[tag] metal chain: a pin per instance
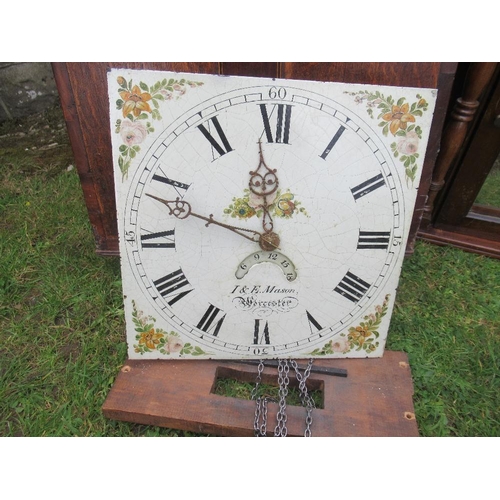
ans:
(260, 419)
(305, 397)
(260, 407)
(280, 430)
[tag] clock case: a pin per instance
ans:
(147, 392)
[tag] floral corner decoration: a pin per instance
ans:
(399, 119)
(282, 205)
(151, 339)
(140, 105)
(359, 338)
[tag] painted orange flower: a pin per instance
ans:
(135, 101)
(399, 118)
(151, 338)
(358, 335)
(285, 206)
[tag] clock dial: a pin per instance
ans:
(313, 187)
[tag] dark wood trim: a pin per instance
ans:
(468, 239)
(456, 130)
(265, 69)
(445, 86)
(106, 240)
(482, 151)
(470, 146)
(485, 213)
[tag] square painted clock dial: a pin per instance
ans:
(262, 218)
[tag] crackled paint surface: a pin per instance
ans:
(347, 162)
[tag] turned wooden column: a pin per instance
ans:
(478, 76)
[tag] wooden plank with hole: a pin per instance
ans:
(375, 399)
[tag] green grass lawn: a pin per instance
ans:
(62, 326)
(490, 191)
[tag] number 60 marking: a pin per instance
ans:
(275, 92)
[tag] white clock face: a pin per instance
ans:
(340, 212)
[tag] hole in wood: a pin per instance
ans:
(232, 383)
(409, 415)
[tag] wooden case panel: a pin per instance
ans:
(84, 98)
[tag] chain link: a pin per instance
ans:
(305, 397)
(261, 410)
(280, 430)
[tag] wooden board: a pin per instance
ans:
(375, 399)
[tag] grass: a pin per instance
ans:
(490, 191)
(62, 338)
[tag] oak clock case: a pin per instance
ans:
(262, 218)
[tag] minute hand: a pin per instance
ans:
(182, 210)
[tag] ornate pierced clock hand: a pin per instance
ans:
(263, 184)
(182, 210)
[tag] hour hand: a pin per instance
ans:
(178, 208)
(182, 209)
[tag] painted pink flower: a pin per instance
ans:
(256, 201)
(408, 144)
(173, 344)
(340, 345)
(166, 94)
(132, 132)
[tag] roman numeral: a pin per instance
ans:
(261, 332)
(283, 117)
(368, 186)
(175, 184)
(223, 148)
(332, 143)
(374, 240)
(352, 287)
(207, 321)
(313, 322)
(166, 239)
(171, 286)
